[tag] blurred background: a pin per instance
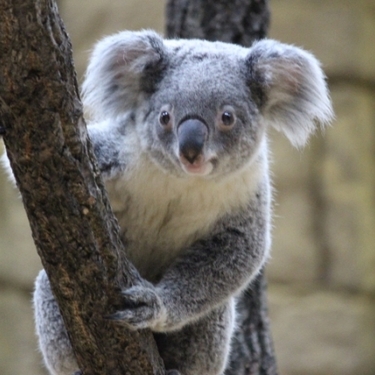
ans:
(322, 272)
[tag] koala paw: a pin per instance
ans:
(143, 308)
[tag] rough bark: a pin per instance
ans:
(241, 22)
(252, 349)
(75, 232)
(234, 21)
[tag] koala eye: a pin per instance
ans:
(227, 120)
(164, 118)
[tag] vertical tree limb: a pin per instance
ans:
(236, 21)
(74, 229)
(241, 22)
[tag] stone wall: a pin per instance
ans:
(322, 290)
(321, 275)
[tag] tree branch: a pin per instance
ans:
(241, 22)
(74, 229)
(236, 21)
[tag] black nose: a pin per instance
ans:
(192, 135)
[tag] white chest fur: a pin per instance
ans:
(160, 214)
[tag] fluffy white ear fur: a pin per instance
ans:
(293, 86)
(113, 78)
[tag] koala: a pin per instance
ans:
(179, 130)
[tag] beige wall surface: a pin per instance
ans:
(322, 271)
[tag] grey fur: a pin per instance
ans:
(197, 232)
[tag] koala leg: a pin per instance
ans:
(53, 339)
(201, 347)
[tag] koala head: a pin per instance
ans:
(202, 108)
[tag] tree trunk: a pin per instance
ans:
(232, 21)
(240, 22)
(73, 227)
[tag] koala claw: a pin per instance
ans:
(172, 372)
(143, 308)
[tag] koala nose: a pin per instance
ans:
(192, 135)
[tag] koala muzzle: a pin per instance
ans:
(192, 135)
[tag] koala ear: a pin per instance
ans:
(121, 68)
(289, 86)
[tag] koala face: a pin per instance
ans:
(202, 108)
(201, 114)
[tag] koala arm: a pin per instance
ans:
(216, 268)
(207, 274)
(107, 138)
